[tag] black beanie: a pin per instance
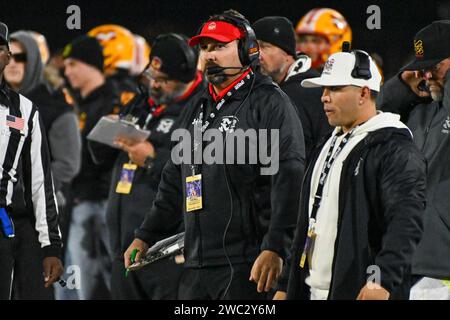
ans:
(277, 31)
(86, 49)
(172, 55)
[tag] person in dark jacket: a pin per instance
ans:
(25, 74)
(226, 253)
(278, 59)
(30, 240)
(420, 93)
(88, 243)
(363, 196)
(173, 82)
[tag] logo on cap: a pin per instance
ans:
(156, 63)
(418, 48)
(67, 51)
(212, 26)
(328, 66)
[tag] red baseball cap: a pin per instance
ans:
(218, 30)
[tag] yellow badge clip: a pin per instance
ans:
(194, 200)
(126, 178)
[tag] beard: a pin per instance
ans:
(217, 78)
(274, 73)
(437, 94)
(160, 97)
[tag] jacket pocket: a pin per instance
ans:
(441, 203)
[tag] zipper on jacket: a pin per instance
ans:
(345, 165)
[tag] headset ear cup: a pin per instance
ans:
(361, 69)
(242, 52)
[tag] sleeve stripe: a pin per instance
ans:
(42, 190)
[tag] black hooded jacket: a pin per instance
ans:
(227, 226)
(381, 207)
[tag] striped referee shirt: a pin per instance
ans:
(24, 151)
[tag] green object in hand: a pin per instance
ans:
(133, 255)
(132, 258)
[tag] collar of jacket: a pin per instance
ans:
(192, 88)
(216, 97)
(4, 93)
(301, 65)
(373, 138)
(106, 89)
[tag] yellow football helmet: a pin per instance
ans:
(118, 46)
(329, 24)
(141, 55)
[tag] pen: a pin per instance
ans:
(132, 258)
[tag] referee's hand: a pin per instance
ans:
(53, 269)
(141, 247)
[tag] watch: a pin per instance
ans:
(148, 162)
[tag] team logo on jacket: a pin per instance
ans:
(356, 172)
(228, 124)
(446, 126)
(165, 125)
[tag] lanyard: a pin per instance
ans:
(202, 126)
(219, 105)
(329, 160)
(155, 111)
(326, 170)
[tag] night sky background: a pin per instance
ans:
(400, 20)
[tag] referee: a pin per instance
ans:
(25, 187)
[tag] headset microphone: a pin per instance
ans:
(216, 74)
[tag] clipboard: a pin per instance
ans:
(165, 248)
(108, 129)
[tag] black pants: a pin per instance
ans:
(22, 257)
(212, 282)
(158, 281)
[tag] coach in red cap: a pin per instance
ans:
(229, 253)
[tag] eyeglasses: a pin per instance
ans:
(19, 57)
(150, 76)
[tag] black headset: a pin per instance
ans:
(190, 66)
(361, 70)
(248, 47)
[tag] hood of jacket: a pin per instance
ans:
(34, 68)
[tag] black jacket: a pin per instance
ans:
(92, 183)
(125, 212)
(309, 106)
(228, 209)
(381, 204)
(429, 121)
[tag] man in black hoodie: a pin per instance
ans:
(88, 243)
(228, 254)
(363, 196)
(172, 82)
(279, 61)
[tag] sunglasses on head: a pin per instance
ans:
(19, 57)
